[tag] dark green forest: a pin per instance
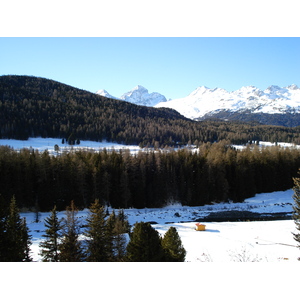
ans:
(37, 107)
(217, 172)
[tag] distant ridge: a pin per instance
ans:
(272, 106)
(138, 95)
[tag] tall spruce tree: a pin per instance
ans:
(110, 227)
(119, 241)
(98, 241)
(3, 236)
(26, 240)
(17, 235)
(296, 207)
(71, 247)
(172, 245)
(117, 227)
(145, 244)
(50, 245)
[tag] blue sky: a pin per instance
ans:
(172, 66)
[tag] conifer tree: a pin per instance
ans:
(296, 207)
(122, 218)
(50, 246)
(117, 226)
(119, 241)
(70, 246)
(110, 227)
(171, 243)
(17, 235)
(145, 244)
(26, 241)
(3, 237)
(97, 234)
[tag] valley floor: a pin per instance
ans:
(248, 241)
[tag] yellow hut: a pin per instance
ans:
(200, 227)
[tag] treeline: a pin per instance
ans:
(38, 107)
(213, 173)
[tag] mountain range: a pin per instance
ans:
(138, 95)
(274, 105)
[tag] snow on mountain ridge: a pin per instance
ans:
(204, 101)
(105, 94)
(138, 95)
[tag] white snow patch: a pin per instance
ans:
(257, 241)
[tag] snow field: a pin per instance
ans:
(42, 144)
(260, 241)
(257, 241)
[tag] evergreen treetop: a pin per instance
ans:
(97, 234)
(145, 244)
(71, 249)
(16, 236)
(174, 250)
(50, 245)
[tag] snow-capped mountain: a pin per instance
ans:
(204, 102)
(274, 105)
(138, 95)
(105, 94)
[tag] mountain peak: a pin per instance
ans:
(273, 88)
(293, 87)
(139, 95)
(140, 88)
(104, 93)
(204, 102)
(199, 90)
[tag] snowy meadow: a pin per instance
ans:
(248, 241)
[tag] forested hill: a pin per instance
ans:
(32, 107)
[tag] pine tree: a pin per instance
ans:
(26, 241)
(71, 247)
(122, 218)
(119, 241)
(110, 227)
(171, 243)
(3, 236)
(17, 235)
(296, 207)
(145, 244)
(50, 245)
(97, 234)
(117, 227)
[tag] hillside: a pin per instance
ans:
(37, 107)
(32, 107)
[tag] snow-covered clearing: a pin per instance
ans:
(42, 144)
(258, 241)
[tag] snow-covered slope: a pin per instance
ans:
(259, 241)
(206, 102)
(138, 95)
